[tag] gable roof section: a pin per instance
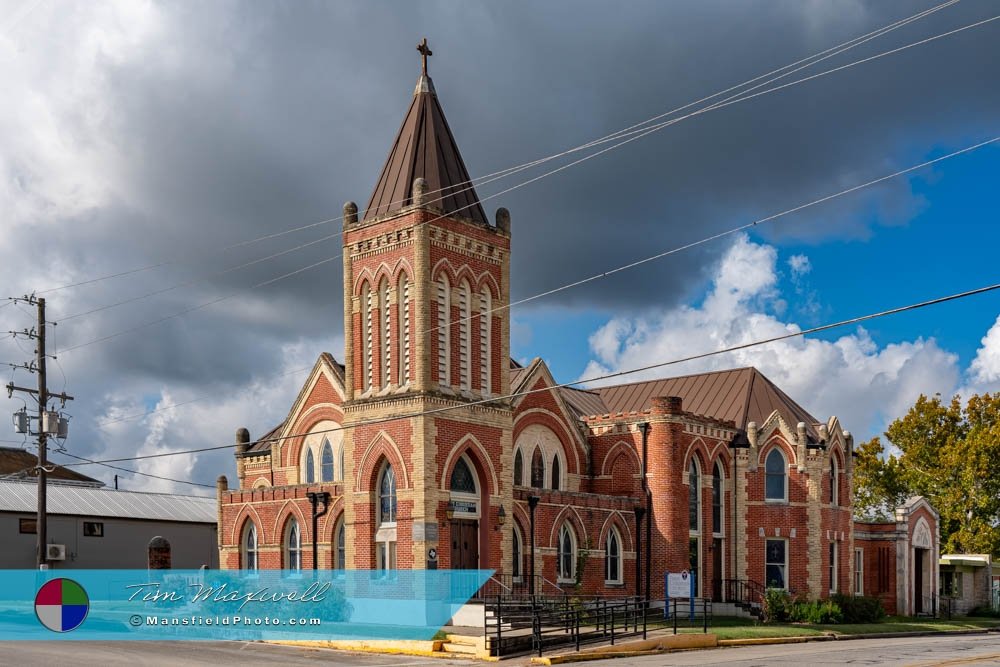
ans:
(425, 148)
(740, 395)
(17, 463)
(336, 370)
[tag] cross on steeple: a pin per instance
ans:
(424, 52)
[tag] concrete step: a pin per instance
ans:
(466, 649)
(466, 640)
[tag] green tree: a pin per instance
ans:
(948, 453)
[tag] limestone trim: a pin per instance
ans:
(246, 513)
(382, 443)
(470, 442)
(612, 456)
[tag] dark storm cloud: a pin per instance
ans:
(240, 120)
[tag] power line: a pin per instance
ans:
(632, 130)
(182, 403)
(714, 237)
(645, 133)
(128, 470)
(200, 279)
(598, 378)
(610, 137)
(198, 307)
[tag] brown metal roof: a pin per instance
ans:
(17, 463)
(425, 148)
(741, 395)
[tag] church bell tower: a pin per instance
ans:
(426, 289)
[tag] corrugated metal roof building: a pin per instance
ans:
(105, 528)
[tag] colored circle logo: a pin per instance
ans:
(61, 605)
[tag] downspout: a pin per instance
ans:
(644, 427)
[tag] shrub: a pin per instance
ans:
(859, 608)
(819, 612)
(777, 605)
(984, 611)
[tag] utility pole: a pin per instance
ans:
(49, 423)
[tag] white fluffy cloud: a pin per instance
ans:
(850, 377)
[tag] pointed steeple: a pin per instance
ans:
(425, 148)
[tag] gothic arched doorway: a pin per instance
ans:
(465, 510)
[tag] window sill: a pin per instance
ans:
(560, 580)
(614, 584)
(775, 501)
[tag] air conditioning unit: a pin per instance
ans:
(55, 552)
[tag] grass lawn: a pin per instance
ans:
(739, 628)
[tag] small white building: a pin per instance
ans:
(966, 581)
(98, 528)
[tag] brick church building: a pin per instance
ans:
(437, 450)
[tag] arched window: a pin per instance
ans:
(834, 481)
(310, 467)
(464, 338)
(340, 546)
(537, 469)
(340, 468)
(566, 560)
(250, 546)
(293, 545)
(444, 330)
(485, 344)
(518, 468)
(613, 558)
(517, 553)
(385, 335)
(387, 496)
(462, 479)
(385, 536)
(327, 465)
(694, 497)
(775, 476)
(403, 317)
(555, 472)
(367, 338)
(717, 494)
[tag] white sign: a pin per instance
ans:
(679, 585)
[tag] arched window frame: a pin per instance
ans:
(613, 557)
(385, 515)
(444, 330)
(340, 545)
(518, 467)
(774, 460)
(485, 342)
(385, 335)
(694, 496)
(566, 555)
(718, 499)
(293, 545)
(464, 336)
(556, 472)
(517, 554)
(341, 467)
(248, 547)
(403, 317)
(309, 475)
(326, 461)
(367, 338)
(387, 496)
(834, 481)
(537, 468)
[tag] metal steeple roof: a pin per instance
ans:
(425, 148)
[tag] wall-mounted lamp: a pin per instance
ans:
(501, 516)
(450, 512)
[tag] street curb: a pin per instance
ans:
(760, 641)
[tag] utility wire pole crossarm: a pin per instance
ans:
(49, 423)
